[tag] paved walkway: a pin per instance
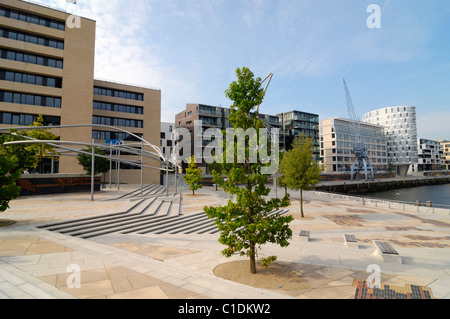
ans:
(37, 263)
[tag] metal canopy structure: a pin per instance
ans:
(65, 148)
(362, 162)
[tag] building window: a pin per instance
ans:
(118, 108)
(26, 119)
(30, 58)
(31, 18)
(30, 99)
(105, 135)
(31, 38)
(118, 94)
(30, 79)
(102, 120)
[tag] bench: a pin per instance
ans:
(304, 235)
(350, 241)
(386, 251)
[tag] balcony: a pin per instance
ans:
(211, 122)
(209, 111)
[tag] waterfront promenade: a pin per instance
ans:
(164, 264)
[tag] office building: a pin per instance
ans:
(336, 144)
(401, 134)
(47, 68)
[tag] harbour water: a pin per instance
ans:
(439, 195)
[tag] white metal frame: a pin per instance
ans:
(66, 151)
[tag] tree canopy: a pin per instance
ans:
(247, 222)
(193, 176)
(101, 164)
(299, 168)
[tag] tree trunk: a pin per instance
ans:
(252, 258)
(301, 203)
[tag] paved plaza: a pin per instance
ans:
(127, 245)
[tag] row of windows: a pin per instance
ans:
(104, 135)
(31, 38)
(349, 159)
(119, 94)
(30, 99)
(30, 79)
(27, 119)
(116, 121)
(118, 108)
(31, 18)
(30, 58)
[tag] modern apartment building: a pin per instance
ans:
(445, 147)
(289, 124)
(336, 144)
(430, 156)
(167, 138)
(401, 133)
(294, 123)
(47, 68)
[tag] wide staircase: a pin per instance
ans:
(150, 211)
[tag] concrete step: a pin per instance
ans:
(117, 226)
(147, 209)
(87, 220)
(13, 286)
(168, 224)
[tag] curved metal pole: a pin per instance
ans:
(87, 125)
(158, 153)
(135, 163)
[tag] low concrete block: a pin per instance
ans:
(304, 236)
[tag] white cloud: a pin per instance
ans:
(124, 55)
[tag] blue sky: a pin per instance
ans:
(190, 49)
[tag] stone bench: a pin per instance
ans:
(350, 241)
(386, 251)
(304, 235)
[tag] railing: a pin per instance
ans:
(417, 206)
(213, 112)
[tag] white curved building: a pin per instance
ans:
(401, 134)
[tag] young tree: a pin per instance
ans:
(246, 223)
(15, 158)
(41, 150)
(193, 176)
(10, 172)
(300, 170)
(214, 167)
(101, 165)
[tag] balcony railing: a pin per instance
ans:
(209, 112)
